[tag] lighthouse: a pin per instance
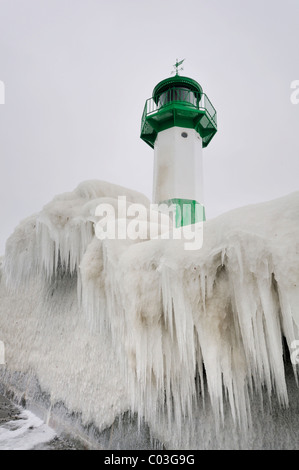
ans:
(178, 121)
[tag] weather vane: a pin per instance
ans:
(176, 66)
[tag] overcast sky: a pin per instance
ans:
(77, 74)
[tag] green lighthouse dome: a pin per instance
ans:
(177, 82)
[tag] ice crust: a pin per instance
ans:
(182, 329)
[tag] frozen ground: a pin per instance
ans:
(22, 430)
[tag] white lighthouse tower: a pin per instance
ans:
(178, 122)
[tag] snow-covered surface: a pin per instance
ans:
(25, 433)
(145, 325)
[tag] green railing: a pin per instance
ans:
(180, 96)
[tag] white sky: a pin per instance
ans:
(77, 74)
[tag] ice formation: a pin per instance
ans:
(25, 433)
(182, 329)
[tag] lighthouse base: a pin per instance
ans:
(186, 211)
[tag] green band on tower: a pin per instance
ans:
(187, 211)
